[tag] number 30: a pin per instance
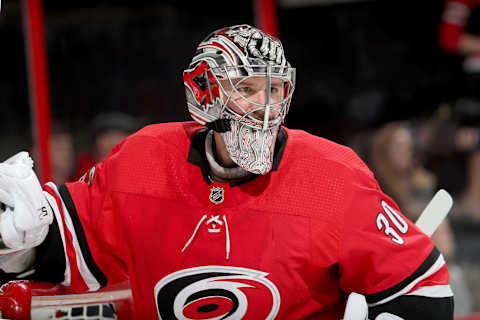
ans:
(393, 217)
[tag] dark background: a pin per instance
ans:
(358, 64)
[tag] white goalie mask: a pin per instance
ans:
(240, 84)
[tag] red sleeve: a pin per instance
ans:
(89, 231)
(452, 25)
(383, 255)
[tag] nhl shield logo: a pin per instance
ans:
(216, 195)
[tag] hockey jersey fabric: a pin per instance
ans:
(286, 245)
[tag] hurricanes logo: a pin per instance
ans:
(216, 292)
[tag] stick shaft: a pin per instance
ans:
(435, 212)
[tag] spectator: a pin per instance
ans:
(62, 153)
(396, 163)
(396, 166)
(107, 129)
(459, 34)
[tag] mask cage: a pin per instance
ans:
(244, 72)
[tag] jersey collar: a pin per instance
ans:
(198, 157)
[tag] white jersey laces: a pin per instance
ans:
(197, 227)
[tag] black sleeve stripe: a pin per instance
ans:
(82, 240)
(50, 261)
(415, 307)
(429, 261)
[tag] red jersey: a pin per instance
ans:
(286, 245)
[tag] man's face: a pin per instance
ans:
(400, 151)
(250, 91)
(106, 141)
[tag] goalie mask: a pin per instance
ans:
(240, 84)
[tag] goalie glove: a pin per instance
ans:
(356, 308)
(24, 224)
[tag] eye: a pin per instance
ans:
(276, 90)
(245, 89)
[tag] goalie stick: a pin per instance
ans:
(435, 212)
(430, 218)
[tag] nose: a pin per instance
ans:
(258, 111)
(259, 97)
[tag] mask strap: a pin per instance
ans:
(219, 125)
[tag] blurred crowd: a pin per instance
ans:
(104, 132)
(414, 158)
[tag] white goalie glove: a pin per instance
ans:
(356, 308)
(27, 216)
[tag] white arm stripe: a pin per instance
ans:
(439, 263)
(53, 203)
(84, 271)
(441, 291)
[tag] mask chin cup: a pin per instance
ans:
(250, 148)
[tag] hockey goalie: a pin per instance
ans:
(230, 216)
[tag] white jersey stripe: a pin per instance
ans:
(441, 291)
(83, 269)
(434, 268)
(58, 217)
